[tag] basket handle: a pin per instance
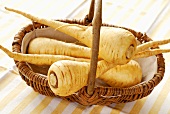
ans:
(97, 21)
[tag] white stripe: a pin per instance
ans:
(37, 10)
(14, 4)
(7, 19)
(8, 65)
(67, 10)
(12, 85)
(160, 22)
(46, 12)
(11, 105)
(162, 30)
(150, 16)
(108, 10)
(33, 104)
(128, 107)
(79, 9)
(112, 105)
(165, 106)
(16, 24)
(11, 69)
(123, 12)
(159, 35)
(88, 109)
(106, 110)
(136, 12)
(51, 106)
(70, 108)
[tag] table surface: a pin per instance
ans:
(150, 16)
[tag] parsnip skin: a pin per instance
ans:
(67, 77)
(123, 75)
(42, 45)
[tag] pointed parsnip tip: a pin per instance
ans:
(9, 9)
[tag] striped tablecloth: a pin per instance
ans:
(150, 16)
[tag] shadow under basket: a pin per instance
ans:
(35, 77)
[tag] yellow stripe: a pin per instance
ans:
(6, 80)
(25, 102)
(117, 109)
(97, 109)
(61, 106)
(162, 96)
(42, 105)
(12, 95)
(79, 109)
(138, 106)
(2, 69)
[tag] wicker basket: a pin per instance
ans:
(34, 76)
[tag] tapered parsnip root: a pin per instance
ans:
(123, 75)
(42, 45)
(152, 52)
(116, 45)
(39, 59)
(152, 44)
(67, 77)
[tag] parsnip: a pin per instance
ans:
(42, 45)
(148, 53)
(146, 45)
(39, 59)
(67, 77)
(123, 75)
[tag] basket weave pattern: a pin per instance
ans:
(101, 95)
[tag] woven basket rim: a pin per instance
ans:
(141, 90)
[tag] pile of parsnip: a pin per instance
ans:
(70, 63)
